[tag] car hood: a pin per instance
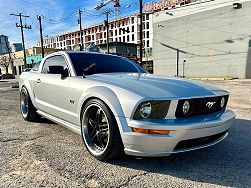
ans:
(158, 86)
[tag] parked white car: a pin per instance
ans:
(118, 107)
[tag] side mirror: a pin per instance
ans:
(57, 69)
(65, 73)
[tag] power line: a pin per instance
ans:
(28, 2)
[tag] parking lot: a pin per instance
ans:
(45, 154)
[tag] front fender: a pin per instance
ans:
(111, 100)
(106, 95)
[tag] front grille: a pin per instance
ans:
(199, 106)
(186, 144)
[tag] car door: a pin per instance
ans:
(51, 90)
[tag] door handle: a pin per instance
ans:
(38, 81)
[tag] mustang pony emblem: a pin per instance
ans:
(210, 104)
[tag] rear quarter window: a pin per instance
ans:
(36, 66)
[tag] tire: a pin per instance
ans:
(100, 131)
(28, 111)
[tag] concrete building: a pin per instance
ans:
(3, 46)
(213, 37)
(16, 47)
(97, 34)
(124, 49)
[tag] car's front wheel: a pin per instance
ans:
(100, 131)
(28, 111)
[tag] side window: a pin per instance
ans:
(53, 61)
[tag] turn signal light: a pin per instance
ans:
(150, 131)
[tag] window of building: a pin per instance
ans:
(132, 20)
(147, 25)
(119, 39)
(104, 35)
(119, 32)
(147, 43)
(92, 37)
(147, 34)
(132, 37)
(123, 23)
(147, 16)
(123, 38)
(133, 28)
(116, 32)
(128, 38)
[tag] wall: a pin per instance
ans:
(213, 37)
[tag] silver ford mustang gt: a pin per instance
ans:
(118, 107)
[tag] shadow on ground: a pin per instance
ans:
(227, 163)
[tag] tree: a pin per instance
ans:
(5, 63)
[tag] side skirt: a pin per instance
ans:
(66, 124)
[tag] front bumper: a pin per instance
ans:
(182, 129)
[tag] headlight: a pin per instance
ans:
(222, 102)
(145, 110)
(186, 107)
(152, 109)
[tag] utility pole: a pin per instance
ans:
(41, 34)
(184, 68)
(20, 15)
(80, 28)
(107, 12)
(141, 30)
(177, 64)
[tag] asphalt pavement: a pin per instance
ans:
(45, 154)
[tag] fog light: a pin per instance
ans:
(222, 102)
(145, 110)
(186, 107)
(150, 131)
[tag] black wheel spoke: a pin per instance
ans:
(103, 127)
(98, 116)
(100, 139)
(92, 122)
(93, 135)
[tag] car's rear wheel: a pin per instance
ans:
(28, 111)
(100, 131)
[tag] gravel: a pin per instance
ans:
(45, 154)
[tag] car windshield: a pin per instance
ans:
(92, 63)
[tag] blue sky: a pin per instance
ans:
(59, 16)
